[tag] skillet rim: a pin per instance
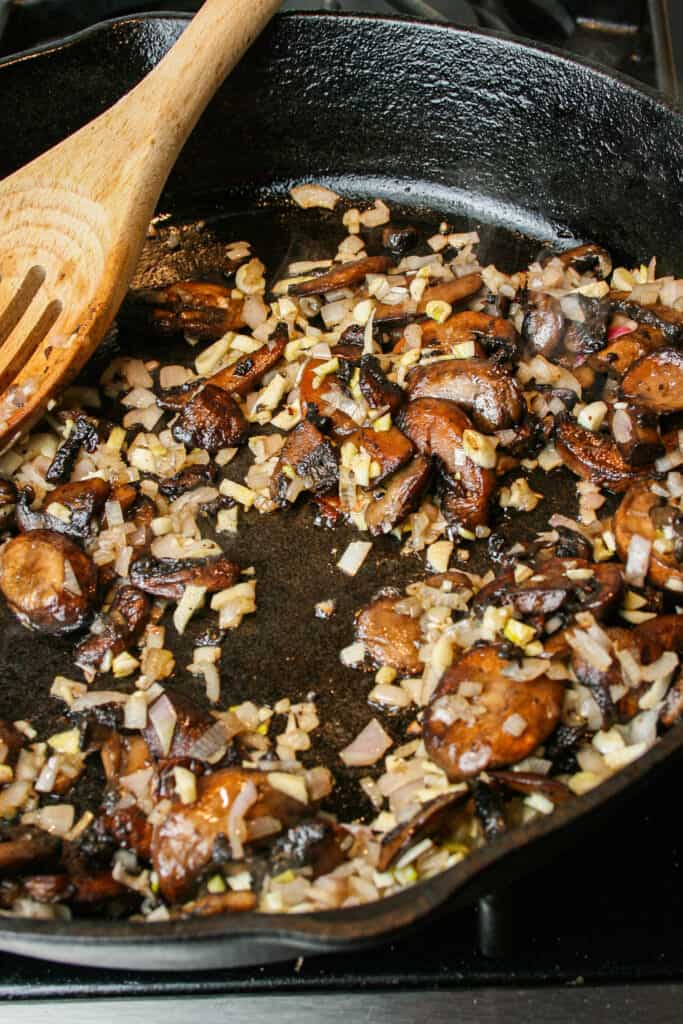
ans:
(336, 930)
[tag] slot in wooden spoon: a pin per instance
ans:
(73, 221)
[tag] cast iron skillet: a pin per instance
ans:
(530, 146)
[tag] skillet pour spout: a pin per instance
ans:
(284, 118)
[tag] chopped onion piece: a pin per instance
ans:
(354, 556)
(368, 747)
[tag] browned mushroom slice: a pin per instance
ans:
(175, 399)
(307, 461)
(635, 517)
(390, 637)
(543, 325)
(375, 388)
(130, 828)
(198, 308)
(655, 381)
(130, 609)
(533, 782)
(390, 449)
(97, 887)
(672, 711)
(594, 456)
(168, 577)
(524, 439)
(479, 718)
(315, 844)
(211, 420)
(84, 434)
(243, 376)
(48, 888)
(436, 427)
(451, 292)
(26, 847)
(551, 589)
(188, 479)
(345, 275)
(434, 816)
(49, 582)
(489, 395)
(636, 432)
(319, 398)
(191, 723)
(68, 509)
(227, 799)
(616, 357)
(663, 318)
(401, 497)
(587, 259)
(217, 903)
(489, 334)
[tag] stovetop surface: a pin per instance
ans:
(609, 910)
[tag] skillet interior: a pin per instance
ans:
(471, 127)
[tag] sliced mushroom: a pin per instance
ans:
(198, 308)
(314, 844)
(175, 399)
(391, 638)
(587, 259)
(550, 589)
(127, 617)
(48, 888)
(487, 393)
(228, 902)
(433, 817)
(375, 387)
(184, 842)
(655, 381)
(389, 449)
(533, 782)
(636, 432)
(130, 828)
(635, 517)
(191, 723)
(500, 726)
(48, 581)
(26, 847)
(451, 292)
(319, 399)
(168, 577)
(616, 357)
(344, 275)
(582, 337)
(83, 434)
(69, 509)
(543, 325)
(401, 497)
(307, 461)
(243, 376)
(436, 427)
(211, 420)
(594, 456)
(663, 318)
(672, 712)
(188, 479)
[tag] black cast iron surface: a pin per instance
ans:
(528, 146)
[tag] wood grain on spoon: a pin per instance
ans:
(73, 221)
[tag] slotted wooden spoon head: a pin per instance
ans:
(73, 222)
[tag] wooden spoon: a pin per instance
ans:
(73, 221)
